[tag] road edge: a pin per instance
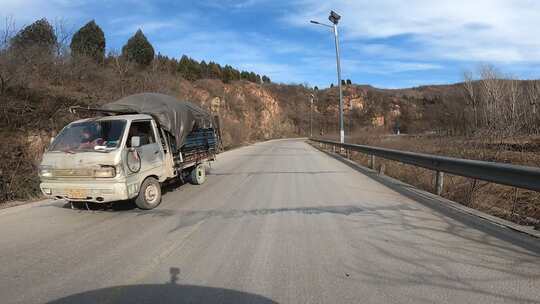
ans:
(24, 206)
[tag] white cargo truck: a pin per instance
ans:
(133, 146)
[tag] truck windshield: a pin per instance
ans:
(101, 135)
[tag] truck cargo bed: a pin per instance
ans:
(200, 145)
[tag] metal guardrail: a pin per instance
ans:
(500, 173)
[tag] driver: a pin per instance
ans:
(88, 139)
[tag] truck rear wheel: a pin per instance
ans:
(149, 195)
(197, 176)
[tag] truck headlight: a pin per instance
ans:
(45, 171)
(119, 170)
(105, 172)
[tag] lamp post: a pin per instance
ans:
(334, 18)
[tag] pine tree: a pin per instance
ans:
(252, 77)
(204, 70)
(194, 69)
(236, 74)
(39, 34)
(244, 75)
(183, 67)
(265, 79)
(214, 70)
(89, 41)
(227, 74)
(349, 82)
(138, 49)
(189, 68)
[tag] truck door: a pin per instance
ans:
(149, 150)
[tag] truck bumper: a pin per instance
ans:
(96, 192)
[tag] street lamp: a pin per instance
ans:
(334, 18)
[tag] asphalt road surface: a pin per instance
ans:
(276, 222)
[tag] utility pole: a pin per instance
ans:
(334, 18)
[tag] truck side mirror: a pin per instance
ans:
(135, 141)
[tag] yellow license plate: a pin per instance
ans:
(77, 193)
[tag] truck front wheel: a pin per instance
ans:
(197, 175)
(149, 195)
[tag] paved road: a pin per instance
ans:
(277, 222)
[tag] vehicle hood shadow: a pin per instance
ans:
(163, 293)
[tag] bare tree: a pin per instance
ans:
(493, 96)
(63, 32)
(120, 66)
(533, 99)
(471, 94)
(7, 32)
(513, 98)
(7, 66)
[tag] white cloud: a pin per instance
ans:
(147, 27)
(27, 11)
(228, 4)
(479, 30)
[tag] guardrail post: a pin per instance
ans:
(439, 181)
(372, 162)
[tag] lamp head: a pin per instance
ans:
(334, 17)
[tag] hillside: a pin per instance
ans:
(491, 107)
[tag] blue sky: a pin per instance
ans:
(385, 43)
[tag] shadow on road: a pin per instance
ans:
(170, 292)
(190, 218)
(115, 206)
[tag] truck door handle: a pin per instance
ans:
(156, 152)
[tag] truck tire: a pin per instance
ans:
(197, 176)
(149, 195)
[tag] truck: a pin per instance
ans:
(128, 149)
